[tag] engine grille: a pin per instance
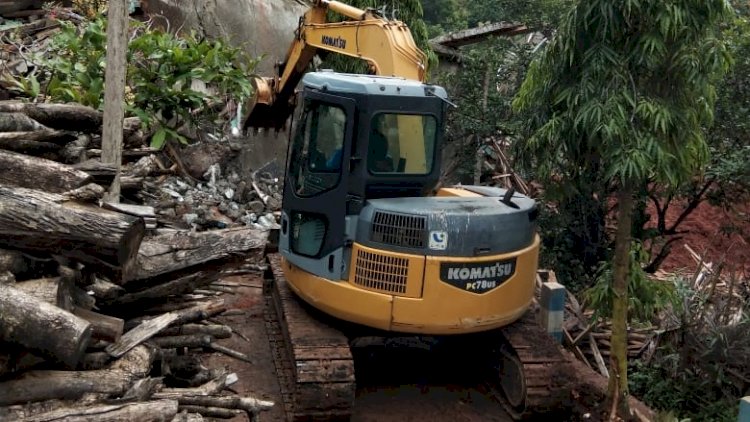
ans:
(399, 230)
(383, 273)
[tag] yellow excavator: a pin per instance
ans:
(368, 245)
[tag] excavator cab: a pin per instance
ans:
(357, 138)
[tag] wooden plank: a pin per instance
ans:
(141, 333)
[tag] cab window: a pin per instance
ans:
(401, 143)
(316, 154)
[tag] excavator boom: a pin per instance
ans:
(386, 45)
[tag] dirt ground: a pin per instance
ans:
(714, 233)
(403, 387)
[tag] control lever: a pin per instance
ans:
(508, 196)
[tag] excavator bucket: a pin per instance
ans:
(263, 112)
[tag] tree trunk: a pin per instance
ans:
(37, 173)
(618, 381)
(171, 252)
(38, 221)
(51, 290)
(58, 116)
(45, 385)
(42, 327)
(159, 410)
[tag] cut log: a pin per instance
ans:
(75, 152)
(141, 333)
(88, 193)
(14, 6)
(179, 250)
(142, 389)
(248, 404)
(81, 299)
(137, 362)
(158, 410)
(213, 387)
(19, 122)
(30, 147)
(37, 173)
(46, 385)
(230, 352)
(179, 286)
(104, 327)
(41, 327)
(58, 116)
(12, 261)
(184, 416)
(95, 360)
(54, 291)
(212, 412)
(49, 136)
(192, 314)
(40, 221)
(104, 289)
(191, 340)
(20, 411)
(215, 331)
(102, 173)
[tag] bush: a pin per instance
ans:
(162, 72)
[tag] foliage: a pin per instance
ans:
(77, 64)
(90, 8)
(408, 11)
(645, 297)
(620, 96)
(699, 370)
(162, 70)
(483, 88)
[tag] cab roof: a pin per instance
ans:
(371, 84)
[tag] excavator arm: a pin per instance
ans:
(386, 45)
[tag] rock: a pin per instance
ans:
(215, 218)
(268, 221)
(199, 158)
(7, 277)
(256, 207)
(190, 218)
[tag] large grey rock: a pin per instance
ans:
(261, 27)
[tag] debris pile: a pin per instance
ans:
(106, 306)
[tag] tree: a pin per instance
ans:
(620, 96)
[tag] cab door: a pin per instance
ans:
(316, 184)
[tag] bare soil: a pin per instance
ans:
(716, 234)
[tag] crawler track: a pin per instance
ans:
(313, 360)
(528, 370)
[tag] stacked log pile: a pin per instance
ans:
(102, 304)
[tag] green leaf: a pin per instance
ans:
(158, 140)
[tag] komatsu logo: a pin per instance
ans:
(337, 42)
(477, 277)
(479, 273)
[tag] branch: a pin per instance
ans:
(665, 250)
(694, 202)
